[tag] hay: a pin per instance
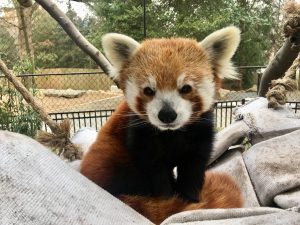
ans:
(277, 95)
(292, 19)
(60, 141)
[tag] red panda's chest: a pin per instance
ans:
(149, 147)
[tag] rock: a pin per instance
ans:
(252, 89)
(114, 88)
(222, 93)
(69, 93)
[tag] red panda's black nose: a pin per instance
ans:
(167, 114)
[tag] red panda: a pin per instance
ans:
(165, 122)
(219, 191)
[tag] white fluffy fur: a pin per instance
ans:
(230, 39)
(131, 92)
(115, 57)
(207, 92)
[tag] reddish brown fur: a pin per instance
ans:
(108, 150)
(178, 56)
(219, 191)
(166, 60)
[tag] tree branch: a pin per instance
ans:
(288, 52)
(75, 35)
(25, 3)
(282, 61)
(60, 136)
(28, 97)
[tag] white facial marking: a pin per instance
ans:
(180, 80)
(131, 92)
(206, 91)
(182, 107)
(152, 82)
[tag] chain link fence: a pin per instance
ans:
(65, 81)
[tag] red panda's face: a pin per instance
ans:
(170, 82)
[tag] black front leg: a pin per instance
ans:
(161, 183)
(191, 172)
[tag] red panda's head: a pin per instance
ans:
(170, 82)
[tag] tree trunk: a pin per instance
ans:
(286, 55)
(25, 44)
(25, 3)
(282, 61)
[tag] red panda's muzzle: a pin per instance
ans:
(167, 114)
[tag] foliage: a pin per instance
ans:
(53, 47)
(15, 114)
(195, 19)
(8, 50)
(259, 21)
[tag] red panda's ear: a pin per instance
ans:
(118, 49)
(221, 46)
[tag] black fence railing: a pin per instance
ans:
(223, 115)
(224, 112)
(95, 119)
(295, 106)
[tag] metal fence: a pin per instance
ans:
(65, 81)
(87, 99)
(95, 119)
(223, 111)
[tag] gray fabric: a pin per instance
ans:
(288, 199)
(243, 216)
(232, 163)
(38, 188)
(267, 123)
(274, 166)
(228, 137)
(75, 165)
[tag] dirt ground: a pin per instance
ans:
(91, 100)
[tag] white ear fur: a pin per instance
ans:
(221, 46)
(118, 48)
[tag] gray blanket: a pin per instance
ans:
(37, 187)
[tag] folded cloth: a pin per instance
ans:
(233, 164)
(265, 123)
(274, 167)
(243, 216)
(37, 187)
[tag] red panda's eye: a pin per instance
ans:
(185, 89)
(149, 92)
